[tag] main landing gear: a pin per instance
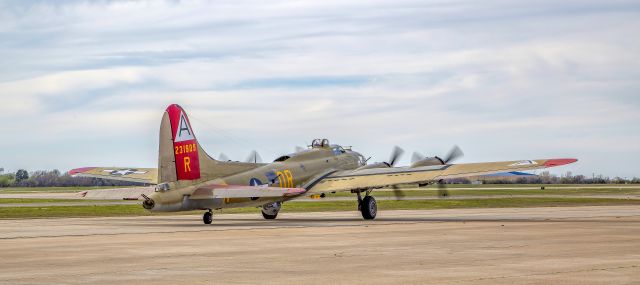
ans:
(367, 206)
(270, 210)
(207, 218)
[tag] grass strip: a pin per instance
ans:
(56, 189)
(44, 200)
(321, 206)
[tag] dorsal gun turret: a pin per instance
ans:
(320, 143)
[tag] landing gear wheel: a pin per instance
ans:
(369, 208)
(270, 210)
(207, 218)
(269, 217)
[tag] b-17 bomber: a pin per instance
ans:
(187, 178)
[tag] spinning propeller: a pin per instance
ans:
(396, 153)
(418, 159)
(253, 157)
(223, 157)
(453, 154)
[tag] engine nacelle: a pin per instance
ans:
(374, 165)
(429, 161)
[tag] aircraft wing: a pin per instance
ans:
(238, 191)
(141, 175)
(382, 177)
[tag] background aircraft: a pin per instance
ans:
(189, 179)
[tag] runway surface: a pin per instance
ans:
(307, 199)
(559, 245)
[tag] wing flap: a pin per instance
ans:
(238, 191)
(140, 175)
(381, 177)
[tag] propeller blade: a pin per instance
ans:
(254, 157)
(417, 157)
(453, 154)
(395, 155)
(397, 192)
(442, 189)
(223, 157)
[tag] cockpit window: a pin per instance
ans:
(337, 150)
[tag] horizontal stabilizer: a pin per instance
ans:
(131, 174)
(130, 193)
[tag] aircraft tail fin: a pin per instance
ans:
(181, 158)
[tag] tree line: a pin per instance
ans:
(53, 178)
(547, 178)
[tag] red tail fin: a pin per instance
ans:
(185, 145)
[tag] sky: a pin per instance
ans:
(85, 83)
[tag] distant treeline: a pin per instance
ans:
(53, 178)
(547, 178)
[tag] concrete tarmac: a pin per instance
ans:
(556, 245)
(308, 199)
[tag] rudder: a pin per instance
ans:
(179, 150)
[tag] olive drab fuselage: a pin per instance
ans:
(294, 170)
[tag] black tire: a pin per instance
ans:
(269, 217)
(207, 218)
(369, 208)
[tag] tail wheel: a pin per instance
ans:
(369, 208)
(207, 218)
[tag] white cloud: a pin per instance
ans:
(504, 80)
